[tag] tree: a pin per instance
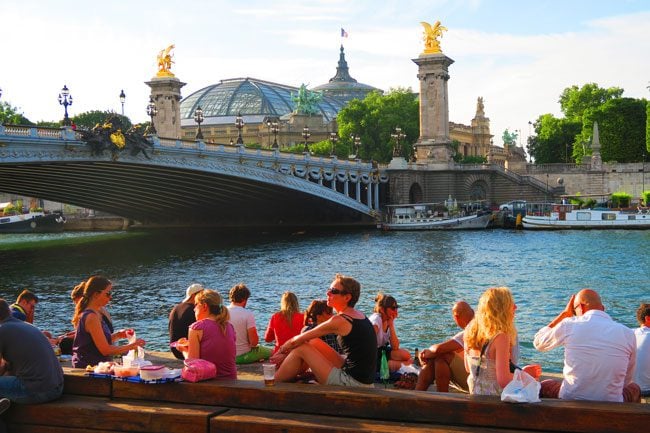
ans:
(621, 124)
(374, 119)
(10, 116)
(89, 119)
(574, 101)
(553, 139)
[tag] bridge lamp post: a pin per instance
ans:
(275, 128)
(198, 118)
(305, 135)
(357, 144)
(151, 112)
(65, 99)
(122, 99)
(334, 138)
(398, 135)
(239, 124)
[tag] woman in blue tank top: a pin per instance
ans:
(356, 337)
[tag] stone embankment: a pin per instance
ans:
(75, 223)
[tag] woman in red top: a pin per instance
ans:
(286, 323)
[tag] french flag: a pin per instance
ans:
(344, 34)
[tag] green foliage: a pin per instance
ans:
(621, 199)
(10, 209)
(621, 124)
(322, 148)
(473, 160)
(89, 119)
(10, 116)
(589, 203)
(574, 101)
(48, 124)
(647, 127)
(646, 197)
(374, 119)
(254, 146)
(553, 139)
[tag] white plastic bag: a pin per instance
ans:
(523, 388)
(135, 355)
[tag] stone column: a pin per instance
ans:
(434, 144)
(166, 94)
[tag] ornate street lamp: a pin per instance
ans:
(239, 124)
(268, 127)
(305, 135)
(151, 112)
(122, 99)
(275, 128)
(357, 144)
(198, 118)
(65, 99)
(334, 138)
(398, 135)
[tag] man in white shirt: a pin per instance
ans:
(599, 354)
(444, 362)
(246, 337)
(642, 333)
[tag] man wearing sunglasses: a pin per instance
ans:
(599, 354)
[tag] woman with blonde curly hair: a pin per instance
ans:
(489, 341)
(212, 337)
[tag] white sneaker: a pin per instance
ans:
(4, 404)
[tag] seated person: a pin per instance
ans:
(642, 333)
(29, 370)
(212, 337)
(590, 338)
(383, 321)
(356, 367)
(286, 323)
(181, 317)
(24, 307)
(93, 342)
(247, 340)
(317, 313)
(444, 362)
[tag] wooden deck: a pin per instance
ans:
(101, 405)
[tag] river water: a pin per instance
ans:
(426, 272)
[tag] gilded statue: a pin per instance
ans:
(165, 62)
(431, 35)
(306, 101)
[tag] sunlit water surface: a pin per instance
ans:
(426, 271)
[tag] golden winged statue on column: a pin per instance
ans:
(431, 35)
(165, 62)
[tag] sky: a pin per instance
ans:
(518, 55)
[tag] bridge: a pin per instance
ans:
(190, 183)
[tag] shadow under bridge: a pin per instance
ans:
(184, 183)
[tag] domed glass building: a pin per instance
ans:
(260, 103)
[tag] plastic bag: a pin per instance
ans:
(523, 388)
(196, 370)
(135, 355)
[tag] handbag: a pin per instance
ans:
(196, 370)
(523, 388)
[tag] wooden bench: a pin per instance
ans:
(85, 414)
(102, 405)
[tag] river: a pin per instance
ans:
(426, 271)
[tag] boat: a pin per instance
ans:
(551, 216)
(31, 222)
(437, 216)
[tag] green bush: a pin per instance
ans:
(646, 197)
(589, 203)
(10, 209)
(621, 199)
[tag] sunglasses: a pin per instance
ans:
(109, 294)
(336, 292)
(393, 307)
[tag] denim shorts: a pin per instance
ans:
(341, 378)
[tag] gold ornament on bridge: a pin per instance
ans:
(431, 35)
(165, 62)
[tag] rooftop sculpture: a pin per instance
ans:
(431, 35)
(306, 101)
(165, 62)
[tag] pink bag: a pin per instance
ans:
(196, 370)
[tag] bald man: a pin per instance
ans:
(444, 362)
(599, 354)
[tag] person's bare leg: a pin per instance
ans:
(443, 371)
(320, 365)
(426, 376)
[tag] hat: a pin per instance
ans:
(193, 289)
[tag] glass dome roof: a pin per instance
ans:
(250, 97)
